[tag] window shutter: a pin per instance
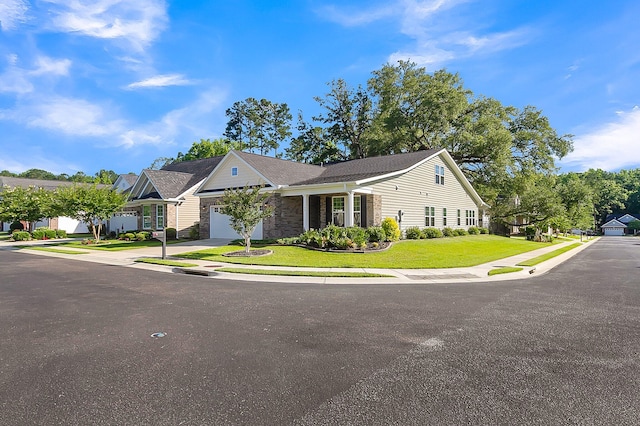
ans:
(329, 210)
(363, 211)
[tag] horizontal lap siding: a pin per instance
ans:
(188, 213)
(417, 189)
(223, 179)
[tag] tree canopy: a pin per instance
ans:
(29, 204)
(246, 208)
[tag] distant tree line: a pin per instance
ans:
(103, 176)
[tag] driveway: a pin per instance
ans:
(76, 347)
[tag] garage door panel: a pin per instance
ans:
(221, 226)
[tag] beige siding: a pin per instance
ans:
(222, 177)
(417, 189)
(188, 213)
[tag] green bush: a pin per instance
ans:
(483, 230)
(460, 232)
(375, 234)
(413, 233)
(61, 233)
(432, 233)
(448, 232)
(17, 225)
(530, 232)
(473, 230)
(141, 236)
(171, 233)
(21, 235)
(38, 234)
(312, 238)
(128, 236)
(391, 229)
(194, 232)
(357, 235)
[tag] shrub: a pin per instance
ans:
(530, 232)
(21, 235)
(128, 236)
(171, 233)
(460, 232)
(473, 230)
(194, 232)
(391, 229)
(50, 233)
(17, 225)
(413, 233)
(375, 234)
(432, 233)
(483, 230)
(342, 243)
(448, 232)
(141, 236)
(38, 234)
(357, 235)
(61, 233)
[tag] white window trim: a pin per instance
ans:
(160, 217)
(334, 211)
(430, 216)
(144, 224)
(234, 171)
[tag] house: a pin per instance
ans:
(124, 220)
(164, 198)
(423, 189)
(70, 225)
(617, 224)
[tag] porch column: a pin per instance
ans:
(348, 220)
(305, 212)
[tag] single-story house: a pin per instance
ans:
(124, 220)
(72, 226)
(617, 224)
(423, 189)
(164, 198)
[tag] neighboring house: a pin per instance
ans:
(423, 189)
(72, 226)
(617, 224)
(164, 198)
(125, 220)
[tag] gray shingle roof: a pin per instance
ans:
(283, 172)
(130, 178)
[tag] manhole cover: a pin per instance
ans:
(159, 334)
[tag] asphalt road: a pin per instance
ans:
(562, 348)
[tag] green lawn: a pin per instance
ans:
(4, 235)
(165, 262)
(550, 255)
(409, 254)
(52, 249)
(117, 245)
(280, 272)
(504, 270)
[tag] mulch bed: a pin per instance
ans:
(252, 253)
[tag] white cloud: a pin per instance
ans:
(354, 18)
(46, 65)
(137, 22)
(12, 13)
(608, 147)
(17, 80)
(161, 81)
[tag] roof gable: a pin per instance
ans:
(614, 223)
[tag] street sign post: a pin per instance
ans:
(162, 236)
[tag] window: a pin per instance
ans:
(439, 175)
(160, 216)
(470, 217)
(337, 213)
(234, 171)
(357, 211)
(458, 217)
(444, 216)
(429, 216)
(146, 217)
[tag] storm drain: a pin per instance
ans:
(159, 334)
(442, 277)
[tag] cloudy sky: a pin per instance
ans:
(114, 84)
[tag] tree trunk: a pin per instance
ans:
(247, 243)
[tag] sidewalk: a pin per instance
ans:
(477, 273)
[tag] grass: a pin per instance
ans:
(165, 262)
(118, 245)
(4, 235)
(409, 254)
(52, 249)
(504, 270)
(281, 272)
(550, 255)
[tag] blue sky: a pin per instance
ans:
(113, 84)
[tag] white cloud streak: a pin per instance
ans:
(161, 81)
(137, 22)
(21, 80)
(12, 13)
(608, 147)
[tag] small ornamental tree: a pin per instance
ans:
(246, 208)
(29, 204)
(91, 204)
(634, 226)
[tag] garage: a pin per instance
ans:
(220, 227)
(614, 228)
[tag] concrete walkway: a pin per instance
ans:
(477, 273)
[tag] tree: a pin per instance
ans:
(348, 115)
(208, 148)
(91, 204)
(634, 226)
(246, 208)
(260, 125)
(37, 174)
(29, 204)
(107, 177)
(577, 198)
(313, 145)
(609, 195)
(160, 162)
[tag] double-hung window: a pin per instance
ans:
(459, 217)
(471, 217)
(160, 216)
(337, 213)
(357, 211)
(146, 217)
(429, 216)
(444, 216)
(439, 175)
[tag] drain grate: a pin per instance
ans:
(159, 334)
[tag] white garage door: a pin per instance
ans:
(614, 231)
(220, 227)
